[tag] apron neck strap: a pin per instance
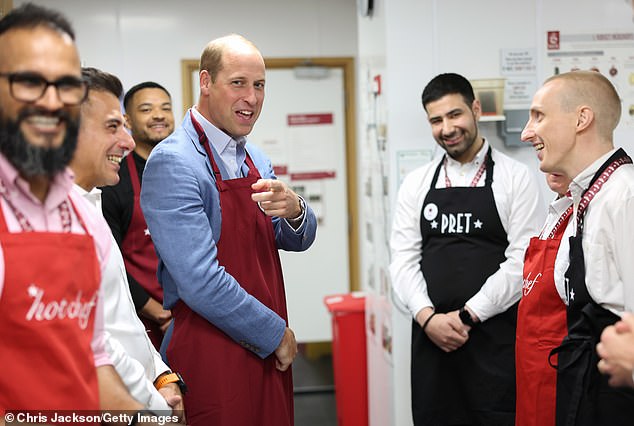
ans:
(487, 165)
(63, 209)
(560, 226)
(602, 175)
(204, 141)
(134, 174)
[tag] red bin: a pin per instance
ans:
(349, 356)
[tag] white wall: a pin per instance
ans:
(422, 39)
(372, 220)
(141, 40)
(459, 36)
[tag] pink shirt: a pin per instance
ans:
(45, 217)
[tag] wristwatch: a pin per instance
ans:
(171, 378)
(302, 211)
(465, 317)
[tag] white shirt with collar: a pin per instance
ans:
(562, 260)
(231, 150)
(608, 236)
(127, 343)
(519, 205)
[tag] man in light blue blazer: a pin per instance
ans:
(218, 215)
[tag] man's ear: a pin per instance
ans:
(204, 79)
(126, 121)
(585, 117)
(477, 109)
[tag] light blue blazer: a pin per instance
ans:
(181, 206)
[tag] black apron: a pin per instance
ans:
(584, 397)
(463, 244)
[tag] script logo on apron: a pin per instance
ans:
(49, 310)
(528, 284)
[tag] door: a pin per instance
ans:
(302, 128)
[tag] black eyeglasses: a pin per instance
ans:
(30, 86)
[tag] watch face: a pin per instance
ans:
(465, 317)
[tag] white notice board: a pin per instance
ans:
(302, 130)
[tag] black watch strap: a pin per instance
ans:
(181, 384)
(465, 317)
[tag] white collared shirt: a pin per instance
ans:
(519, 205)
(562, 260)
(231, 150)
(608, 236)
(128, 345)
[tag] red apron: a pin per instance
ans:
(541, 326)
(228, 384)
(139, 255)
(48, 305)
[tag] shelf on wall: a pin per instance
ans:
(510, 130)
(484, 118)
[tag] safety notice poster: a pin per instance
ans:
(610, 53)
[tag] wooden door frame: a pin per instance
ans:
(5, 7)
(189, 66)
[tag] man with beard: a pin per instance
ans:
(148, 114)
(460, 229)
(53, 246)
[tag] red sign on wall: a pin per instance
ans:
(280, 170)
(309, 119)
(553, 40)
(313, 175)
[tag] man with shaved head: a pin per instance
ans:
(571, 125)
(217, 216)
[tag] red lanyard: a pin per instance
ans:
(476, 178)
(563, 218)
(589, 193)
(64, 213)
